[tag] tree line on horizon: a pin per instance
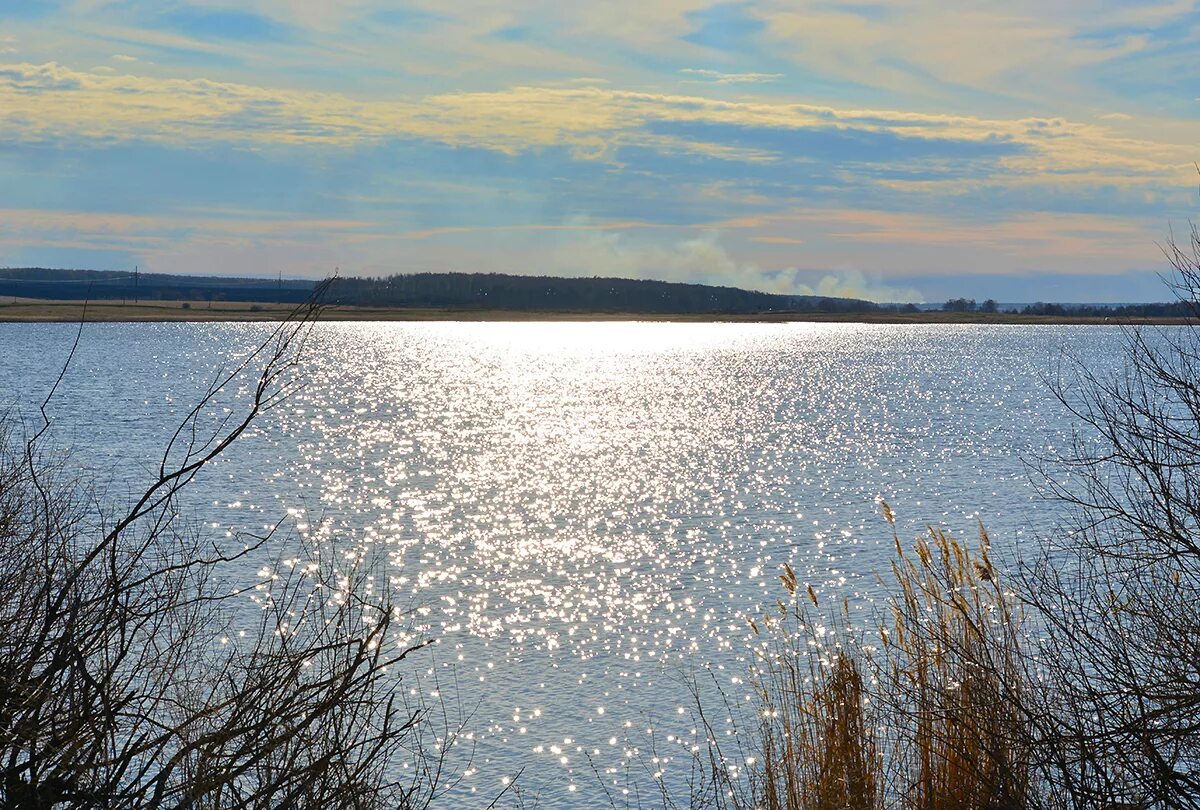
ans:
(430, 290)
(596, 294)
(112, 285)
(1170, 309)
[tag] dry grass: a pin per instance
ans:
(818, 742)
(932, 719)
(955, 681)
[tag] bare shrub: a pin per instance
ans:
(1119, 589)
(1077, 685)
(132, 674)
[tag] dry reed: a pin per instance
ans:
(818, 741)
(933, 719)
(954, 681)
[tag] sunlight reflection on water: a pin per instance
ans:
(583, 512)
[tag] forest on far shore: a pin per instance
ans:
(428, 290)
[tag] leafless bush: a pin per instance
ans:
(1120, 590)
(133, 675)
(1077, 684)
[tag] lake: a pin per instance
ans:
(584, 513)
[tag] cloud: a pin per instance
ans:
(717, 77)
(221, 24)
(86, 227)
(893, 245)
(777, 240)
(53, 102)
(43, 102)
(455, 230)
(724, 26)
(236, 243)
(1038, 55)
(1085, 238)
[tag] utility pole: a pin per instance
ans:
(135, 284)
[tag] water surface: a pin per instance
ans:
(583, 513)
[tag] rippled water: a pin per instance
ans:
(582, 513)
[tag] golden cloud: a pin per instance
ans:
(52, 102)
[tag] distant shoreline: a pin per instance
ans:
(45, 311)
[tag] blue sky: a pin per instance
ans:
(896, 150)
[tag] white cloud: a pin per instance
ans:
(1044, 54)
(717, 77)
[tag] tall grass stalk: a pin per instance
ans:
(953, 678)
(818, 740)
(932, 718)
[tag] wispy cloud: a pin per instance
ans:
(705, 258)
(717, 77)
(51, 101)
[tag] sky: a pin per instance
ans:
(895, 150)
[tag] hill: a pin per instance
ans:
(551, 294)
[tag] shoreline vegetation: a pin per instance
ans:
(30, 310)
